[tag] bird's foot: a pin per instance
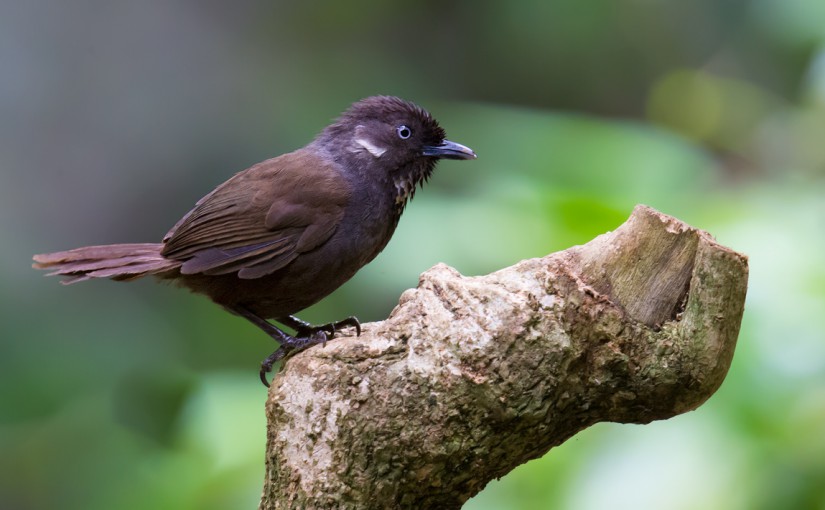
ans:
(306, 335)
(303, 328)
(291, 345)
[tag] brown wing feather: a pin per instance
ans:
(261, 219)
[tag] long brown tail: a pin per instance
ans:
(115, 261)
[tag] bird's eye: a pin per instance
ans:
(403, 132)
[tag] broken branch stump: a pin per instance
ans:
(471, 376)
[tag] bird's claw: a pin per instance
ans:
(305, 336)
(330, 329)
(351, 321)
(290, 347)
(266, 364)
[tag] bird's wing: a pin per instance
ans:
(261, 219)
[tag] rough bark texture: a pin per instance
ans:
(471, 376)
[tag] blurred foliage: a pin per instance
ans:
(117, 117)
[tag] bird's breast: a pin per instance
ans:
(368, 225)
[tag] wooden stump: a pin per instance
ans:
(471, 376)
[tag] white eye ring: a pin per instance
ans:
(403, 132)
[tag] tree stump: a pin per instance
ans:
(471, 376)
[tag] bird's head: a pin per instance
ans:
(394, 139)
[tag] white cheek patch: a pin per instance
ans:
(373, 149)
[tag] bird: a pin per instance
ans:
(283, 234)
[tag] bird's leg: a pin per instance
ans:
(303, 328)
(289, 344)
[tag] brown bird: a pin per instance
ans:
(283, 234)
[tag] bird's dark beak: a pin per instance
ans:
(449, 150)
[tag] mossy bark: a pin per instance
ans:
(471, 376)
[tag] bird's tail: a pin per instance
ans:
(115, 261)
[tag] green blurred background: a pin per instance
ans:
(115, 117)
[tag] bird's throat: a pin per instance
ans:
(406, 182)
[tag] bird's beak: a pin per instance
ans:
(449, 150)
